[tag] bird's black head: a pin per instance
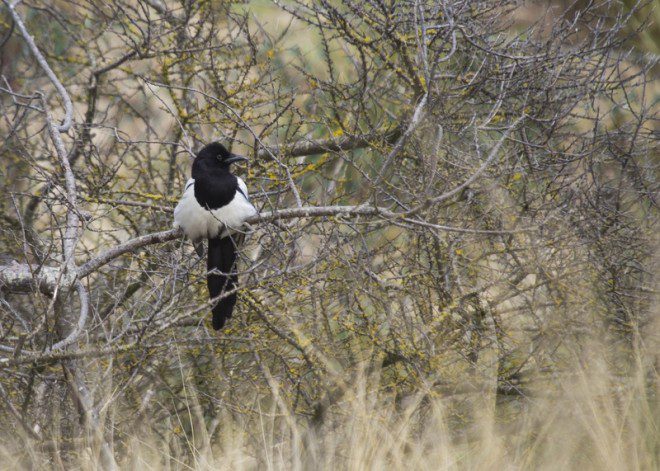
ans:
(216, 153)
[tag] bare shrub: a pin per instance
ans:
(456, 204)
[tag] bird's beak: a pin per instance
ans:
(235, 158)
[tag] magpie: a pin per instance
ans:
(214, 206)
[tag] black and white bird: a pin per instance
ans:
(214, 206)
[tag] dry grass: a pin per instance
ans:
(587, 419)
(594, 408)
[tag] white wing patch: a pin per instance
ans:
(243, 187)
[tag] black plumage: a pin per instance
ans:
(215, 185)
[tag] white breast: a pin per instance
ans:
(200, 223)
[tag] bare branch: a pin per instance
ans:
(19, 278)
(82, 319)
(66, 99)
(72, 220)
(313, 147)
(493, 153)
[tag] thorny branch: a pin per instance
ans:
(447, 190)
(67, 121)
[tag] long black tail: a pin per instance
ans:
(221, 263)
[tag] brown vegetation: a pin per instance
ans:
(453, 265)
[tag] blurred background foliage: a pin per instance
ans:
(540, 267)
